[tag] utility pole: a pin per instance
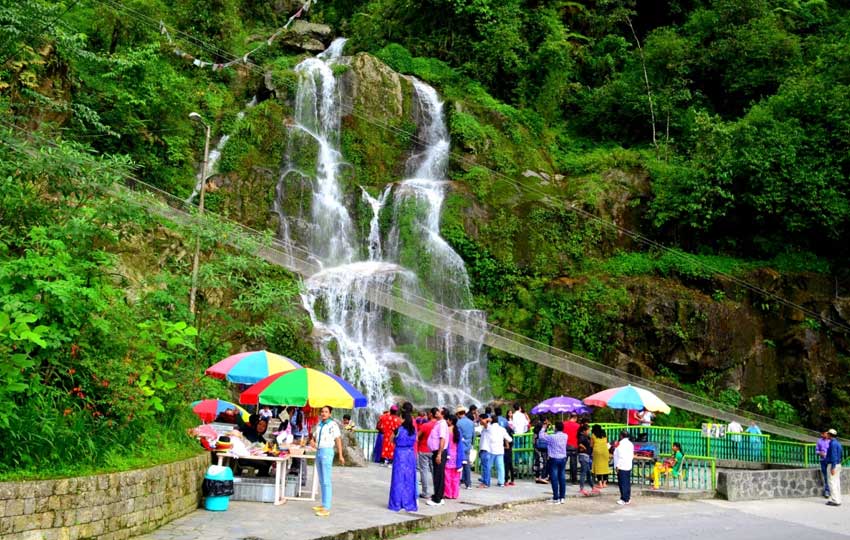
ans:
(194, 291)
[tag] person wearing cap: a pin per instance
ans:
(821, 449)
(466, 427)
(833, 458)
(624, 456)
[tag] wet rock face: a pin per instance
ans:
(307, 36)
(372, 89)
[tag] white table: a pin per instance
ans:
(281, 467)
(279, 472)
(306, 458)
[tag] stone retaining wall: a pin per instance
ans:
(774, 484)
(105, 507)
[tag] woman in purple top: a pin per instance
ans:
(557, 450)
(403, 483)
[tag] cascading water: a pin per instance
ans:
(418, 204)
(215, 154)
(356, 337)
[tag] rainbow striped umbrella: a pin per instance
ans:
(209, 409)
(305, 386)
(251, 367)
(628, 397)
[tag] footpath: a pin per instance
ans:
(359, 511)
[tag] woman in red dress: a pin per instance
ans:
(387, 425)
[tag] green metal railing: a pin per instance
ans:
(701, 453)
(747, 447)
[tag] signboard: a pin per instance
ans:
(714, 431)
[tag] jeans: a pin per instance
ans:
(425, 465)
(324, 461)
(624, 482)
(572, 456)
(585, 476)
(439, 475)
(486, 463)
(558, 477)
(824, 469)
(466, 475)
(499, 462)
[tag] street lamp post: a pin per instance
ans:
(194, 291)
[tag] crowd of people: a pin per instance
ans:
(432, 452)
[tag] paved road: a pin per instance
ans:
(658, 519)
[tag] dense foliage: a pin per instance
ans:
(718, 126)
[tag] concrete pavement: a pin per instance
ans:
(359, 503)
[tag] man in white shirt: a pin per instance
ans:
(493, 439)
(624, 456)
(735, 429)
(519, 420)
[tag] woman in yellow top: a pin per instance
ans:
(601, 458)
(673, 465)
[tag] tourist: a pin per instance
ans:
(485, 456)
(498, 436)
(585, 447)
(671, 465)
(403, 482)
(601, 457)
(425, 463)
(325, 437)
(501, 420)
(756, 441)
(556, 448)
(624, 456)
(438, 441)
(508, 457)
(520, 420)
(466, 427)
(821, 449)
(833, 457)
(645, 417)
(735, 429)
(379, 438)
(266, 413)
(571, 429)
(454, 461)
(387, 425)
(632, 418)
(473, 413)
(540, 467)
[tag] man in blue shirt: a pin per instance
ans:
(833, 459)
(467, 432)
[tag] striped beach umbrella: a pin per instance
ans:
(251, 367)
(628, 397)
(209, 409)
(305, 386)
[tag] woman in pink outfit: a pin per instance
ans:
(454, 463)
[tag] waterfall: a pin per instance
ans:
(374, 240)
(364, 343)
(215, 154)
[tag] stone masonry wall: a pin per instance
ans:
(774, 484)
(104, 507)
